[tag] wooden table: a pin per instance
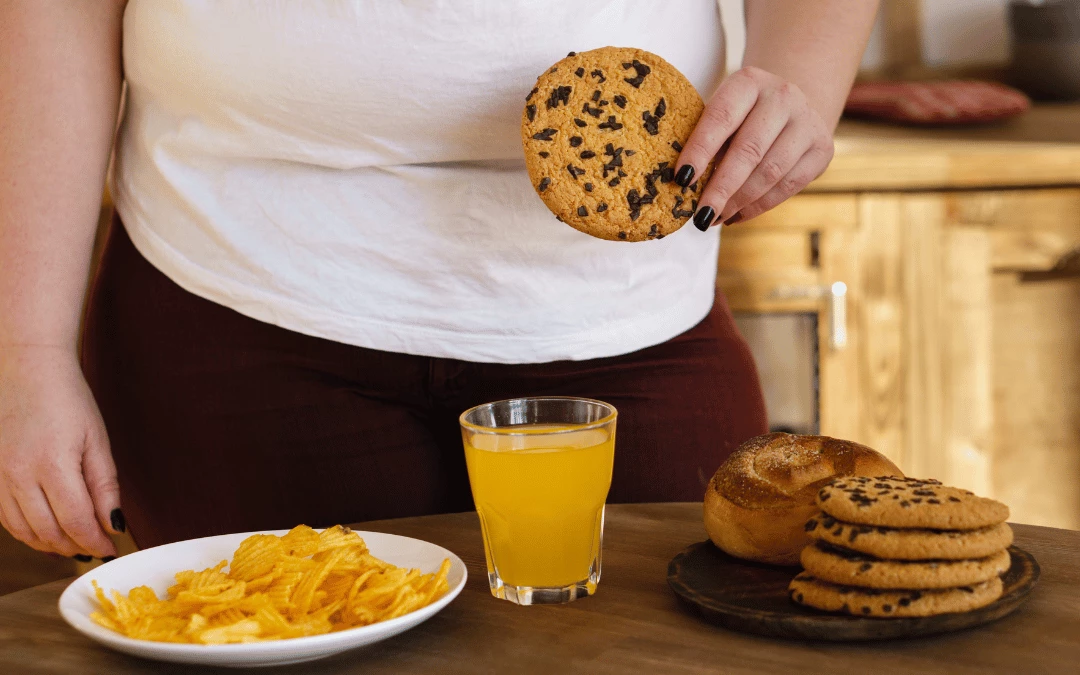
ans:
(633, 624)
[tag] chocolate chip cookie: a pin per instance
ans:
(602, 131)
(806, 589)
(849, 568)
(908, 502)
(910, 544)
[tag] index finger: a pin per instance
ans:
(74, 510)
(723, 114)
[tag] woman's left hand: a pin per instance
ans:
(769, 145)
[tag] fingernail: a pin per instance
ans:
(734, 219)
(684, 175)
(117, 520)
(108, 558)
(83, 558)
(704, 217)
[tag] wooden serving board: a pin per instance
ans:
(752, 598)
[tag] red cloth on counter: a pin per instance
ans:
(949, 102)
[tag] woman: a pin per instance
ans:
(329, 248)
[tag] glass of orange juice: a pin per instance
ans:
(540, 470)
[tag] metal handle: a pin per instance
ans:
(836, 293)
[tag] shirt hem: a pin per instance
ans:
(604, 341)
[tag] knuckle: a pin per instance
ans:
(789, 185)
(771, 171)
(752, 72)
(719, 115)
(749, 150)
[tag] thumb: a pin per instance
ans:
(99, 472)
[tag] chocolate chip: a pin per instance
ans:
(933, 501)
(553, 69)
(854, 533)
(610, 124)
(846, 609)
(589, 110)
(953, 499)
(576, 141)
(598, 74)
(654, 231)
(582, 211)
(828, 522)
(652, 121)
(596, 96)
(532, 93)
(886, 608)
(905, 504)
(924, 493)
(602, 103)
(883, 486)
(544, 183)
(544, 153)
(580, 123)
(588, 187)
(798, 597)
(904, 602)
(683, 213)
(667, 174)
(915, 595)
(530, 110)
(620, 101)
(580, 72)
(677, 145)
(622, 174)
(613, 182)
(544, 135)
(574, 171)
(838, 531)
(824, 496)
(569, 54)
(622, 235)
(560, 94)
(917, 500)
(601, 207)
(633, 200)
(865, 567)
(630, 153)
(811, 524)
(865, 610)
(641, 71)
(587, 154)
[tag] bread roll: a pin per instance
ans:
(757, 504)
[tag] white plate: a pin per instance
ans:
(155, 567)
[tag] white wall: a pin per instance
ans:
(954, 32)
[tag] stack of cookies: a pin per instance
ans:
(895, 547)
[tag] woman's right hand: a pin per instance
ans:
(58, 486)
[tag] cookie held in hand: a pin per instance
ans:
(602, 131)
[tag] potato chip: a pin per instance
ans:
(302, 583)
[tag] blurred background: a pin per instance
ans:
(923, 296)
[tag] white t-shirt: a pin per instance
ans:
(353, 170)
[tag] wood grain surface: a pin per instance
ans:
(633, 624)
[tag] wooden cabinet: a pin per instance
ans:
(961, 359)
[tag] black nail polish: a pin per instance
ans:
(108, 558)
(117, 520)
(704, 217)
(83, 558)
(684, 175)
(734, 219)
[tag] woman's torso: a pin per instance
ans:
(352, 170)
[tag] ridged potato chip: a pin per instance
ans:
(302, 583)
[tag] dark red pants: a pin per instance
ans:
(220, 423)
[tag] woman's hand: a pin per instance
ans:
(58, 488)
(769, 144)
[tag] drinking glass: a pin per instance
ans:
(540, 470)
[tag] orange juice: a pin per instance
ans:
(540, 496)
